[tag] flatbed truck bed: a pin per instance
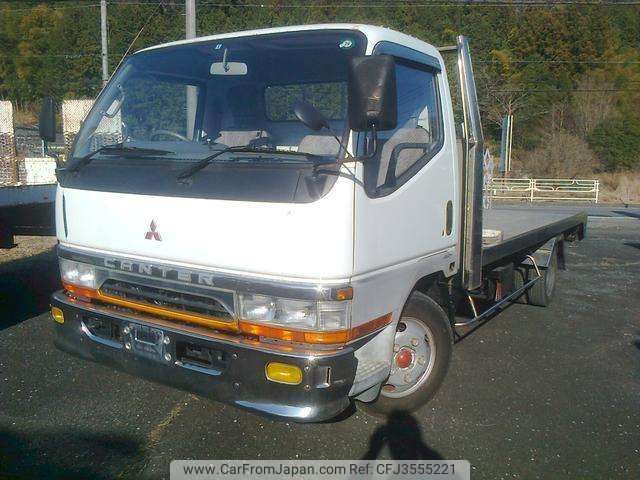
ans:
(526, 231)
(26, 210)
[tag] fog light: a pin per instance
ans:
(57, 314)
(283, 373)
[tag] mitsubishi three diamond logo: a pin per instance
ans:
(152, 234)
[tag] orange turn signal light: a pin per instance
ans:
(314, 337)
(344, 293)
(82, 292)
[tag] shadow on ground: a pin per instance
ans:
(403, 437)
(25, 287)
(633, 244)
(627, 214)
(46, 454)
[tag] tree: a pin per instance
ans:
(617, 142)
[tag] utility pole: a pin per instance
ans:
(190, 14)
(103, 34)
(190, 30)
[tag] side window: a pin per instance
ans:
(417, 137)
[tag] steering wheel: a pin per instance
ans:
(156, 133)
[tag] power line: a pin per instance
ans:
(439, 3)
(588, 62)
(52, 7)
(59, 55)
(435, 3)
(561, 90)
(423, 3)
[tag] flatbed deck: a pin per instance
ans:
(26, 210)
(527, 230)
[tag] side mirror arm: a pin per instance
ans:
(50, 153)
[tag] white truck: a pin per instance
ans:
(287, 220)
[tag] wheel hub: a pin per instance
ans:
(413, 358)
(404, 358)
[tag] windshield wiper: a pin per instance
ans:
(115, 149)
(195, 168)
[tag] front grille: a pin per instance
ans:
(167, 299)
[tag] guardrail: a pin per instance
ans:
(536, 189)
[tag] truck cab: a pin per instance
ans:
(279, 219)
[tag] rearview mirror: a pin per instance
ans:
(47, 121)
(372, 93)
(228, 68)
(310, 116)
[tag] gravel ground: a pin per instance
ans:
(535, 393)
(29, 249)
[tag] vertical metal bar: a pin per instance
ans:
(472, 172)
(190, 32)
(504, 146)
(510, 142)
(532, 186)
(104, 42)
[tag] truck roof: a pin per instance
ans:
(373, 33)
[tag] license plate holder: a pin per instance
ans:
(146, 342)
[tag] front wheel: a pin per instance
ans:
(421, 355)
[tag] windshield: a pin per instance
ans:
(188, 101)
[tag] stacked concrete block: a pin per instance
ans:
(8, 172)
(37, 171)
(73, 114)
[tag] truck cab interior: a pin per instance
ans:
(243, 89)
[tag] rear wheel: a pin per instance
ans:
(541, 292)
(421, 355)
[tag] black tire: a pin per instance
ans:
(519, 276)
(422, 308)
(541, 293)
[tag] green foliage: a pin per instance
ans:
(150, 105)
(545, 65)
(617, 142)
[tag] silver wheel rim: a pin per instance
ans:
(415, 340)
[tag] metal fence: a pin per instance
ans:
(547, 189)
(22, 160)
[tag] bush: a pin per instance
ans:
(560, 155)
(616, 142)
(621, 187)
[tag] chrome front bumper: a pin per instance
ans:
(238, 378)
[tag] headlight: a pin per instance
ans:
(295, 314)
(76, 273)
